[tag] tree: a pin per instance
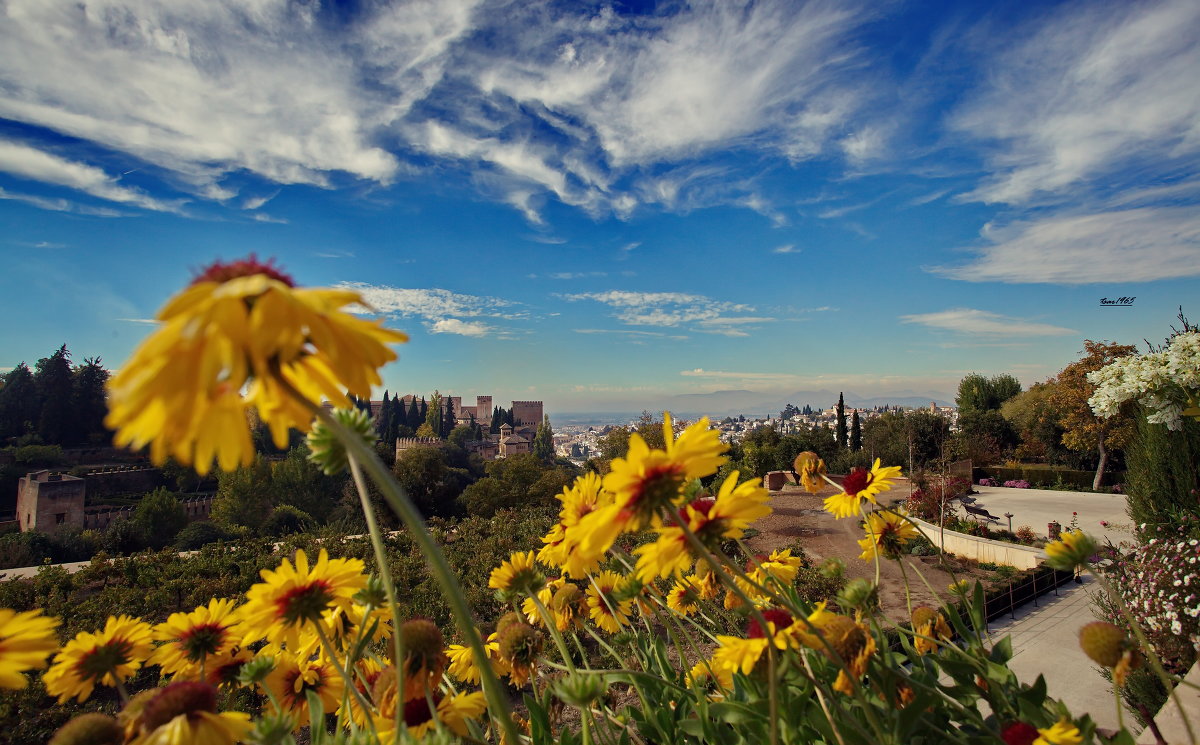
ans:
(54, 386)
(1082, 429)
(543, 441)
(855, 432)
(433, 414)
(651, 430)
(451, 420)
(88, 402)
(244, 496)
(19, 407)
(497, 420)
(414, 417)
(1036, 422)
(979, 393)
(613, 443)
(299, 483)
(517, 481)
(429, 479)
(841, 422)
(160, 517)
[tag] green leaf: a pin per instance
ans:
(1002, 652)
(736, 713)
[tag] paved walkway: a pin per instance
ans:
(1037, 507)
(1045, 640)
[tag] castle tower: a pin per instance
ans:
(48, 501)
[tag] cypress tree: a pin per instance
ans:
(88, 401)
(424, 412)
(385, 416)
(840, 433)
(855, 432)
(496, 419)
(543, 441)
(451, 420)
(414, 418)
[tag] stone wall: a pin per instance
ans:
(982, 549)
(527, 412)
(48, 501)
(122, 480)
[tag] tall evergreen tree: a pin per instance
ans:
(385, 416)
(840, 433)
(424, 410)
(19, 406)
(510, 417)
(543, 441)
(414, 418)
(451, 419)
(855, 432)
(54, 387)
(497, 419)
(88, 403)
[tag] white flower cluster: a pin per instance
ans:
(1161, 582)
(1165, 382)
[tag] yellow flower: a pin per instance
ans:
(887, 532)
(185, 713)
(646, 480)
(452, 711)
(561, 545)
(710, 519)
(736, 654)
(847, 643)
(26, 640)
(292, 679)
(107, 657)
(683, 597)
(604, 609)
(861, 486)
(517, 573)
(1071, 551)
(1061, 732)
(810, 468)
(462, 661)
(929, 627)
(192, 638)
(290, 598)
(242, 326)
(704, 671)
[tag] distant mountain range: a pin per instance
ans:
(732, 403)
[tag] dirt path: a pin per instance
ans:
(800, 517)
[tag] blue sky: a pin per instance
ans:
(602, 205)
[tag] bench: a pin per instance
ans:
(980, 512)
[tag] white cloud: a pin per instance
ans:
(972, 321)
(570, 102)
(632, 333)
(442, 311)
(1092, 96)
(39, 165)
(460, 327)
(1138, 245)
(204, 88)
(672, 309)
(789, 248)
(150, 321)
(60, 205)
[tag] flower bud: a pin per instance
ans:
(580, 690)
(324, 447)
(184, 697)
(89, 729)
(520, 643)
(858, 594)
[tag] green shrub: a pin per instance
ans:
(285, 520)
(1164, 473)
(198, 534)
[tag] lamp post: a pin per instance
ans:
(1009, 515)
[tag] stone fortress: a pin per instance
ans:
(511, 440)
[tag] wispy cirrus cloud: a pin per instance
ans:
(1135, 245)
(676, 309)
(442, 311)
(61, 205)
(973, 321)
(1090, 96)
(580, 104)
(789, 248)
(32, 163)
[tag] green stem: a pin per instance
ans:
(385, 575)
(552, 627)
(367, 708)
(400, 503)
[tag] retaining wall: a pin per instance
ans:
(982, 549)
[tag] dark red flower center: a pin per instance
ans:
(304, 603)
(104, 659)
(221, 271)
(1019, 733)
(659, 486)
(417, 711)
(856, 481)
(781, 618)
(200, 641)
